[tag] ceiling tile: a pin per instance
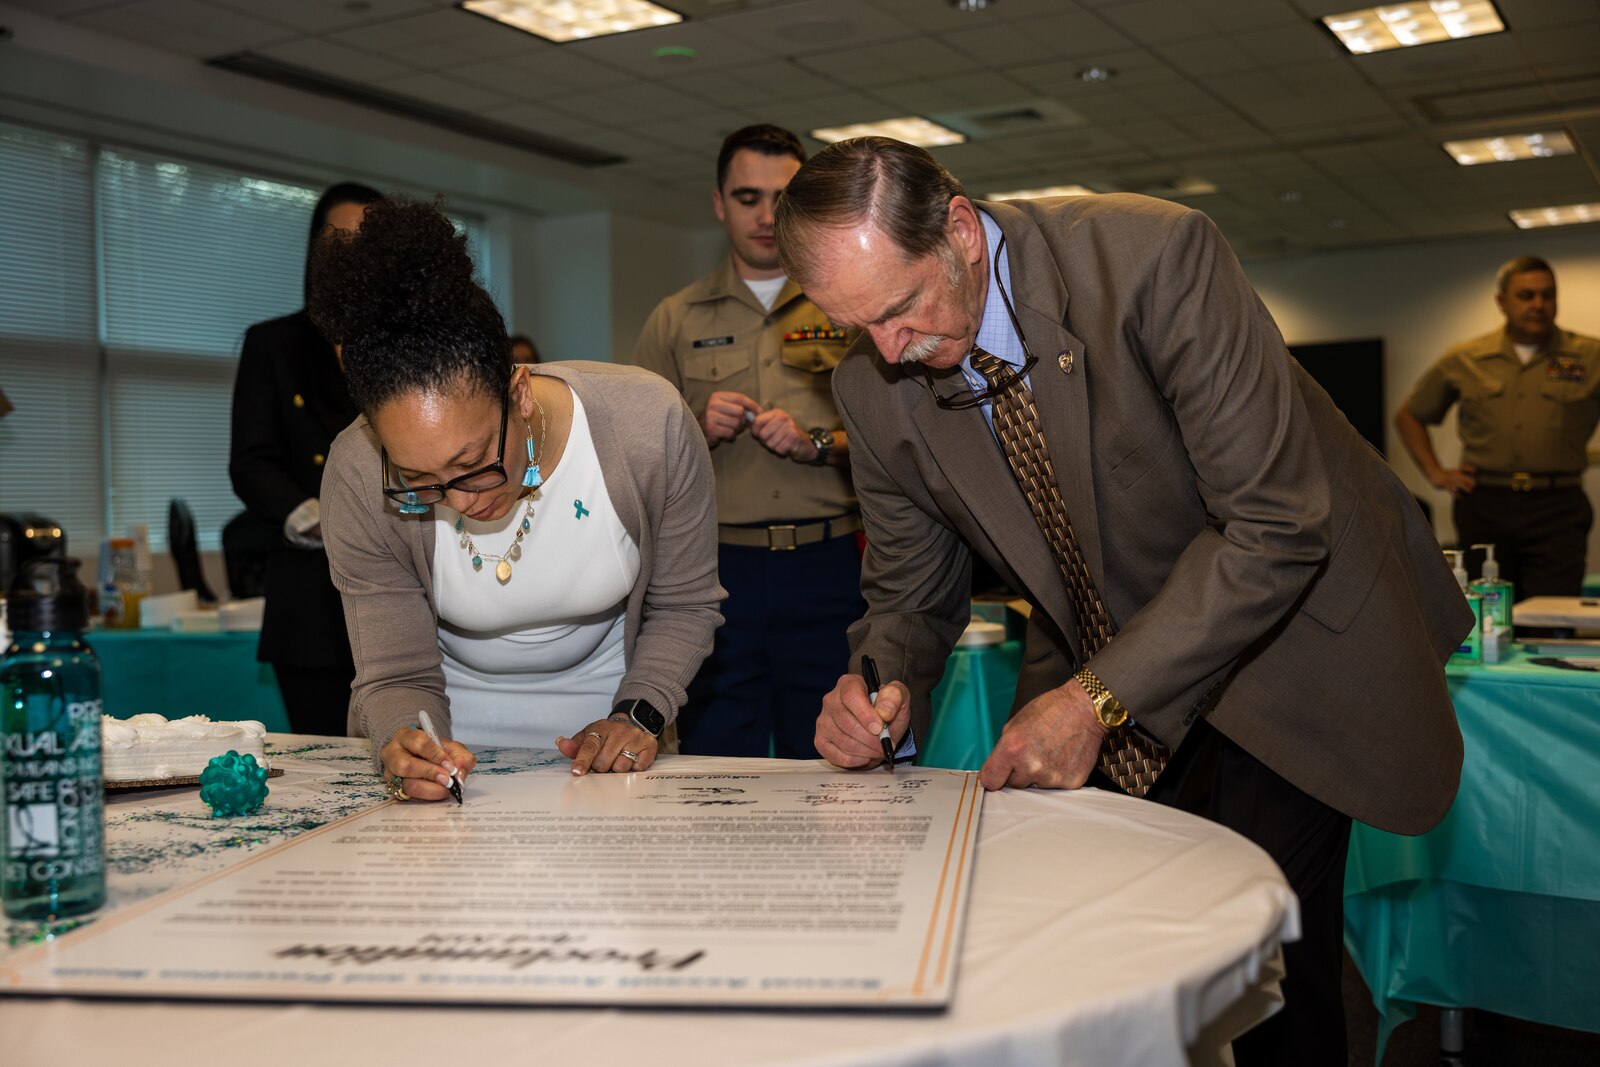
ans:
(636, 52)
(320, 16)
(336, 60)
(800, 29)
(888, 63)
(482, 37)
(1212, 55)
(443, 91)
(1283, 46)
(65, 8)
(1154, 22)
(1074, 35)
(185, 26)
(539, 119)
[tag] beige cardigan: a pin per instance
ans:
(658, 476)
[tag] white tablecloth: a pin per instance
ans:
(1103, 930)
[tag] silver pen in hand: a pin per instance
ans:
(427, 728)
(869, 673)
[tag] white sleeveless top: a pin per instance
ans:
(543, 654)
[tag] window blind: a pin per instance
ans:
(50, 445)
(127, 281)
(191, 256)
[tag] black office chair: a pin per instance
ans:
(185, 549)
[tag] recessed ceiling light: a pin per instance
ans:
(1566, 215)
(971, 5)
(913, 129)
(1048, 190)
(1096, 74)
(1509, 148)
(1378, 29)
(574, 20)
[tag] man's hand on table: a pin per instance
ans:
(423, 766)
(1053, 742)
(847, 729)
(616, 744)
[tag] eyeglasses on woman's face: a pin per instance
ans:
(415, 499)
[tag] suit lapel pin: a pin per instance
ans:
(1064, 361)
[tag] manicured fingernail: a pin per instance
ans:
(577, 771)
(450, 768)
(442, 779)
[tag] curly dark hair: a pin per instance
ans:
(401, 297)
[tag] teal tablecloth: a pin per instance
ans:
(187, 674)
(970, 705)
(1498, 907)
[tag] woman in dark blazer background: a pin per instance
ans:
(289, 403)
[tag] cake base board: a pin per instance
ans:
(169, 783)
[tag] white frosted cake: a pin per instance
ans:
(147, 747)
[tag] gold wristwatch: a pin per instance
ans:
(1107, 708)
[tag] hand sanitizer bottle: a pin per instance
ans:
(52, 848)
(1471, 650)
(1497, 595)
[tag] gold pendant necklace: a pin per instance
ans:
(502, 568)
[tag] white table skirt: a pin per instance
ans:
(1103, 930)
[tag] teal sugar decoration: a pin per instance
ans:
(233, 785)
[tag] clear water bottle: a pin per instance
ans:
(52, 844)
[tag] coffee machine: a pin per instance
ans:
(24, 536)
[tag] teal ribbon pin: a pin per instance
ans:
(582, 511)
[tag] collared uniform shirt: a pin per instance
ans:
(715, 336)
(1536, 417)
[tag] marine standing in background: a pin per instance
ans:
(289, 403)
(1527, 407)
(754, 360)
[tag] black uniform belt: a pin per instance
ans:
(1527, 481)
(788, 536)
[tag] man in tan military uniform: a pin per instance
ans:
(1528, 404)
(754, 360)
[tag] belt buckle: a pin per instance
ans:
(774, 542)
(1521, 482)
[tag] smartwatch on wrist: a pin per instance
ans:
(822, 441)
(643, 715)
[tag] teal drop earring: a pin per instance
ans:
(410, 505)
(532, 478)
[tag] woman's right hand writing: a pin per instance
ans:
(424, 766)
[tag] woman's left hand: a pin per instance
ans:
(617, 745)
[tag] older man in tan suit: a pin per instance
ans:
(1237, 608)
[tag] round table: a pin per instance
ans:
(1102, 930)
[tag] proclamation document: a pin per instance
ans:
(807, 888)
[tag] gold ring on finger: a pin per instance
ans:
(397, 788)
(634, 756)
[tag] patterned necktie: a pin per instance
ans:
(1127, 757)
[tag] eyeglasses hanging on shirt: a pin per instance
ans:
(971, 399)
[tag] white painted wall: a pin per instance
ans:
(1421, 299)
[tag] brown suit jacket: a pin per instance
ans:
(1264, 566)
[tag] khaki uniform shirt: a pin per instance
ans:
(715, 336)
(1535, 418)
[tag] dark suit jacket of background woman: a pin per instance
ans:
(289, 403)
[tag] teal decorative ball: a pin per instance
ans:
(233, 785)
